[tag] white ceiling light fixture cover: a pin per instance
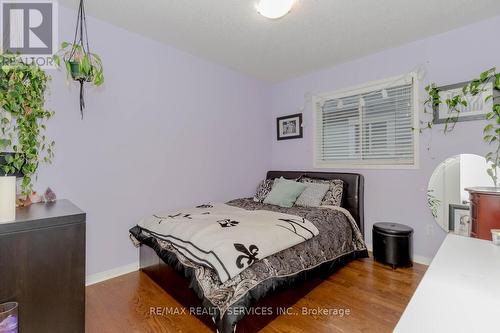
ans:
(274, 9)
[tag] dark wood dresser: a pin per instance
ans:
(485, 211)
(42, 267)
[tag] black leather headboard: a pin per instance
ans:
(354, 185)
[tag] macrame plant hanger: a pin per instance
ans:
(81, 39)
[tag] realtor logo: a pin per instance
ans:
(29, 28)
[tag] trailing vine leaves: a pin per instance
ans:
(81, 65)
(491, 132)
(88, 65)
(433, 202)
(22, 119)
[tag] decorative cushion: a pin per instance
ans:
(313, 195)
(263, 190)
(284, 193)
(333, 196)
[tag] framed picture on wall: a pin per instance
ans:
(477, 107)
(289, 127)
(460, 221)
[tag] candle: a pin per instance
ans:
(7, 199)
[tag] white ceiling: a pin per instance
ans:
(316, 34)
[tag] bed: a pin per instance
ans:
(275, 282)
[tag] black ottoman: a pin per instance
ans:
(393, 244)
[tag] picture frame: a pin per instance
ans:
(476, 109)
(289, 127)
(460, 220)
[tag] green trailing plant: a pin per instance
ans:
(79, 64)
(433, 203)
(491, 131)
(22, 119)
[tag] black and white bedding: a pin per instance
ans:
(226, 238)
(338, 241)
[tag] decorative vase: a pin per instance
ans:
(7, 199)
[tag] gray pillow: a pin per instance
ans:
(284, 193)
(263, 190)
(313, 195)
(334, 195)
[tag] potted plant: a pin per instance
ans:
(82, 65)
(23, 144)
(79, 64)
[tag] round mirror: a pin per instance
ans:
(446, 194)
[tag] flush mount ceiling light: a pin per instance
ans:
(274, 9)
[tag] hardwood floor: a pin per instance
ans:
(375, 295)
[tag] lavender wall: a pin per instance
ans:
(167, 130)
(398, 195)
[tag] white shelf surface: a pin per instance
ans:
(460, 291)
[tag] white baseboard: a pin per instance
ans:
(112, 273)
(416, 258)
(422, 260)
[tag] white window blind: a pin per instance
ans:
(371, 126)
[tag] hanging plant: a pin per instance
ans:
(491, 132)
(23, 146)
(81, 65)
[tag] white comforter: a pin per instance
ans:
(228, 239)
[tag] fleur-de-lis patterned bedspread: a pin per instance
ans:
(228, 239)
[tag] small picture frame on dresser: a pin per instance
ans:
(289, 127)
(459, 219)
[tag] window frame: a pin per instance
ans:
(363, 89)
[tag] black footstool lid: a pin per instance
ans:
(393, 228)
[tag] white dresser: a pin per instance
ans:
(460, 291)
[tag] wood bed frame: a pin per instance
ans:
(177, 285)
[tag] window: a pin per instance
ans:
(371, 126)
